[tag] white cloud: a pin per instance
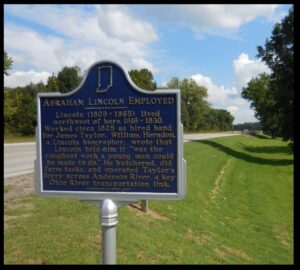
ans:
(66, 21)
(30, 48)
(140, 63)
(210, 18)
(218, 95)
(116, 21)
(23, 78)
(232, 109)
(222, 97)
(245, 69)
(241, 114)
(229, 99)
(73, 35)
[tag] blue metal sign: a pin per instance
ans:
(108, 138)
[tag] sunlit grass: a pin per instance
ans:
(238, 210)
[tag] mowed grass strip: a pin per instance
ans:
(238, 210)
(10, 138)
(54, 231)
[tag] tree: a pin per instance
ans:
(210, 120)
(24, 120)
(20, 109)
(52, 84)
(68, 79)
(7, 63)
(278, 54)
(251, 126)
(196, 112)
(193, 102)
(20, 118)
(10, 108)
(174, 83)
(225, 119)
(218, 120)
(143, 78)
(194, 99)
(259, 93)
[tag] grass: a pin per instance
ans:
(11, 138)
(238, 210)
(58, 231)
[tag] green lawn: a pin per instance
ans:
(9, 138)
(238, 210)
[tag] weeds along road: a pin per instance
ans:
(19, 157)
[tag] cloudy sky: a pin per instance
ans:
(216, 45)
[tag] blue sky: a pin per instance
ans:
(213, 44)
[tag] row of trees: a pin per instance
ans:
(197, 114)
(20, 109)
(20, 116)
(250, 126)
(272, 96)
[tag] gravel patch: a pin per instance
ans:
(19, 186)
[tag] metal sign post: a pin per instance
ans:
(109, 221)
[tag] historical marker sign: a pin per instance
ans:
(110, 139)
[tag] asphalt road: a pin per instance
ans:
(19, 157)
(204, 136)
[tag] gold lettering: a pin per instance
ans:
(106, 102)
(62, 102)
(151, 101)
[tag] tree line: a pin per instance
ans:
(250, 126)
(197, 113)
(20, 109)
(272, 95)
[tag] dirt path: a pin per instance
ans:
(19, 186)
(216, 188)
